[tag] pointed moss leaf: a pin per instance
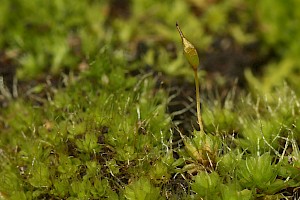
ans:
(81, 188)
(276, 186)
(207, 185)
(89, 143)
(142, 189)
(99, 187)
(178, 162)
(231, 191)
(257, 171)
(40, 176)
(159, 171)
(20, 195)
(191, 149)
(61, 187)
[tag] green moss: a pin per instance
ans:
(104, 132)
(86, 133)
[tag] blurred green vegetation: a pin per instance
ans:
(278, 31)
(89, 117)
(50, 37)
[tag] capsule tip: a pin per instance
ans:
(179, 30)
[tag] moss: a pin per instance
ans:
(91, 121)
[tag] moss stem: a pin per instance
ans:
(198, 100)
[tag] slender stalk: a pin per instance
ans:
(191, 54)
(198, 100)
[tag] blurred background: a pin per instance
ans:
(255, 42)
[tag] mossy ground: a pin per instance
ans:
(98, 103)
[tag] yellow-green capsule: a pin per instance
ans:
(189, 50)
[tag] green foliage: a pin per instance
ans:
(207, 185)
(40, 175)
(257, 172)
(142, 190)
(221, 117)
(210, 186)
(60, 147)
(278, 33)
(58, 43)
(202, 148)
(61, 44)
(103, 131)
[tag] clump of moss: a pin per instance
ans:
(105, 133)
(257, 154)
(101, 132)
